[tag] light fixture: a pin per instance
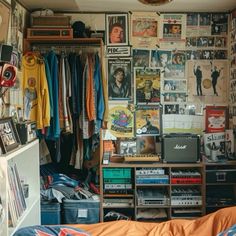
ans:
(155, 2)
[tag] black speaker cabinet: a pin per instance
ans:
(181, 148)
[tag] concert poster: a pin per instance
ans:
(173, 30)
(148, 120)
(117, 68)
(204, 24)
(147, 84)
(192, 24)
(144, 29)
(219, 24)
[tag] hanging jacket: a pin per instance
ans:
(53, 131)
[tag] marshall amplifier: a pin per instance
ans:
(181, 148)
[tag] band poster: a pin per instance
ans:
(198, 24)
(207, 81)
(144, 29)
(148, 120)
(119, 79)
(147, 85)
(173, 30)
(121, 121)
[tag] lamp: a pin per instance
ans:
(155, 2)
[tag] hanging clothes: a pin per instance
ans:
(53, 131)
(98, 92)
(105, 91)
(87, 125)
(64, 93)
(76, 69)
(35, 90)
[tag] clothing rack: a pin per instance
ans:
(66, 48)
(84, 44)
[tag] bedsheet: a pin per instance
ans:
(209, 225)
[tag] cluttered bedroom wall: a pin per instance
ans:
(178, 74)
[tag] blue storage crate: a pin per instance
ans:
(84, 211)
(50, 213)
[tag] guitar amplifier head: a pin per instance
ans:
(181, 148)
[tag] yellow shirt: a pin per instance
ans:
(35, 91)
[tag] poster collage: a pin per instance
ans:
(232, 84)
(163, 69)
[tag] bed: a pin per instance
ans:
(221, 221)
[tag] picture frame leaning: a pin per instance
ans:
(9, 139)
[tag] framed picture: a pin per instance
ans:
(117, 29)
(5, 13)
(119, 79)
(216, 119)
(9, 139)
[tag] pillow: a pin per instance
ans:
(229, 232)
(57, 230)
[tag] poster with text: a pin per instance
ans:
(148, 120)
(119, 79)
(172, 30)
(144, 29)
(147, 85)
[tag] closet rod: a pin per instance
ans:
(66, 48)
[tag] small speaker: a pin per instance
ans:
(181, 148)
(5, 52)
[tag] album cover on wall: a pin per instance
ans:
(148, 120)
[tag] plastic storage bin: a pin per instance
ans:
(84, 211)
(50, 213)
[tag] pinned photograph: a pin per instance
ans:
(141, 57)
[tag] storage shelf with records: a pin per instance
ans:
(152, 191)
(220, 185)
(17, 167)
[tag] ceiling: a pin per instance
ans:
(129, 5)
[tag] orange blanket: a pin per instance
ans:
(209, 225)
